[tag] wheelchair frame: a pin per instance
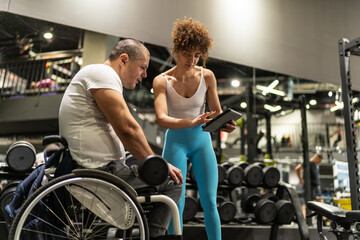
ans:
(95, 201)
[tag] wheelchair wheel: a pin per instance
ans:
(80, 207)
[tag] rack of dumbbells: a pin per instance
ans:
(20, 159)
(249, 194)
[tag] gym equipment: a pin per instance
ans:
(343, 222)
(271, 175)
(285, 209)
(190, 209)
(21, 156)
(221, 174)
(226, 209)
(253, 174)
(234, 174)
(285, 212)
(264, 209)
(191, 173)
(89, 204)
(153, 169)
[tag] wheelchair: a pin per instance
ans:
(89, 204)
(343, 224)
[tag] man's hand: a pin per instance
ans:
(175, 173)
(302, 182)
(229, 127)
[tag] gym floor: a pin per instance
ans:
(252, 232)
(233, 232)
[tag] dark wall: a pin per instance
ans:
(32, 114)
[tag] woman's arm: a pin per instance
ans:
(213, 98)
(163, 119)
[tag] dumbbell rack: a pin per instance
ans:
(303, 227)
(282, 187)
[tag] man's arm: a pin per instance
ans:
(113, 106)
(298, 170)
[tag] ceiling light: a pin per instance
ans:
(273, 84)
(271, 108)
(243, 105)
(152, 90)
(235, 83)
(307, 106)
(330, 93)
(48, 35)
(355, 100)
(313, 102)
(269, 90)
(339, 105)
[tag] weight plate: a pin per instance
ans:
(190, 208)
(235, 175)
(227, 211)
(154, 170)
(249, 201)
(285, 212)
(21, 156)
(253, 175)
(271, 177)
(265, 211)
(221, 174)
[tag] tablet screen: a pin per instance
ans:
(219, 121)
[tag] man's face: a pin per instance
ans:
(135, 71)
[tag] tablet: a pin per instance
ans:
(219, 121)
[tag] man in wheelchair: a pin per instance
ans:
(98, 126)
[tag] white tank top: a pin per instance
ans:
(182, 107)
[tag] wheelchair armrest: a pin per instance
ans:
(54, 139)
(333, 213)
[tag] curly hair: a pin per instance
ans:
(189, 34)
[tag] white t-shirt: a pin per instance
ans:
(93, 142)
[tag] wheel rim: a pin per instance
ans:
(76, 223)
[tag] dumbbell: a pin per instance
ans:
(153, 169)
(285, 209)
(271, 175)
(21, 156)
(264, 209)
(226, 209)
(234, 174)
(285, 212)
(253, 174)
(190, 209)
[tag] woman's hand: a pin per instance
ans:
(175, 173)
(229, 127)
(202, 118)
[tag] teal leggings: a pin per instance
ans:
(196, 145)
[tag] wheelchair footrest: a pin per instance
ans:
(333, 213)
